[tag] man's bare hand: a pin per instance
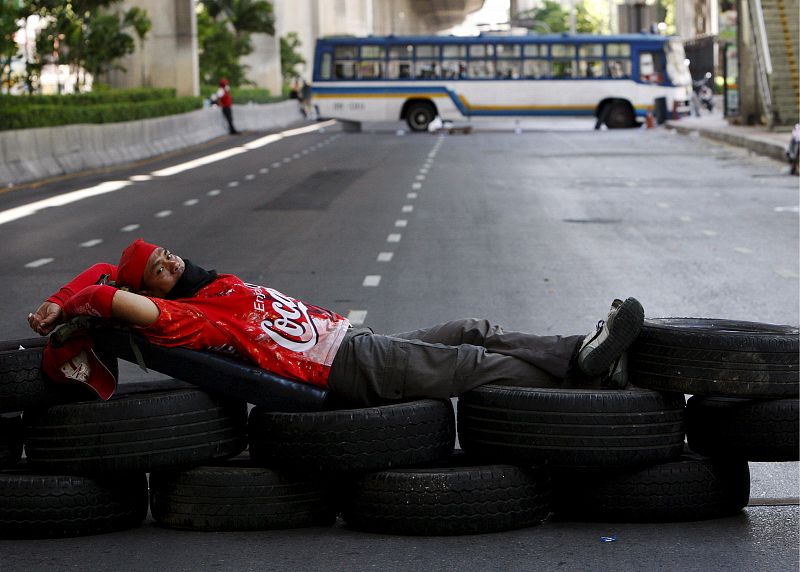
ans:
(46, 318)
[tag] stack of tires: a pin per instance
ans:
(86, 464)
(580, 454)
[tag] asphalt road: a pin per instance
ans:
(538, 231)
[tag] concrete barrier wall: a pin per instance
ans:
(30, 154)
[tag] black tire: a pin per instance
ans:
(452, 499)
(689, 488)
(145, 426)
(575, 428)
(353, 440)
(235, 495)
(753, 430)
(10, 440)
(704, 356)
(22, 383)
(419, 116)
(619, 115)
(53, 506)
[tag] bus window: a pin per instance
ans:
(426, 69)
(481, 51)
(371, 52)
(480, 69)
(454, 62)
(508, 51)
(651, 67)
(370, 69)
(405, 52)
(508, 69)
(345, 52)
(325, 66)
(618, 60)
(344, 70)
(535, 69)
(535, 50)
(563, 56)
(590, 63)
(426, 51)
(398, 70)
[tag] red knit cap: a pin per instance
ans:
(130, 270)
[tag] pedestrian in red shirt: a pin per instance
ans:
(223, 98)
(173, 302)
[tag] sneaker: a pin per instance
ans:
(618, 376)
(600, 352)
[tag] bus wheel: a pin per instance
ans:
(419, 116)
(619, 116)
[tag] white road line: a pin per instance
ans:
(408, 208)
(792, 209)
(743, 250)
(263, 170)
(662, 205)
(287, 159)
(213, 193)
(191, 202)
(686, 218)
(91, 243)
(305, 151)
(130, 227)
(420, 177)
(710, 232)
(162, 214)
(416, 185)
(39, 262)
(213, 158)
(296, 155)
(249, 177)
(394, 237)
(424, 171)
(385, 256)
(357, 317)
(140, 178)
(275, 165)
(401, 223)
(411, 196)
(371, 280)
(61, 200)
(783, 273)
(233, 184)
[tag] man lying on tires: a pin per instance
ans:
(173, 302)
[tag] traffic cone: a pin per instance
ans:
(650, 123)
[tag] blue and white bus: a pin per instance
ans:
(416, 78)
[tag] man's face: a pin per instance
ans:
(162, 272)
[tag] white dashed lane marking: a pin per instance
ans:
(408, 208)
(394, 237)
(412, 196)
(743, 250)
(249, 177)
(357, 317)
(420, 177)
(275, 165)
(710, 232)
(39, 262)
(402, 223)
(233, 184)
(213, 192)
(263, 170)
(190, 202)
(163, 214)
(91, 243)
(416, 186)
(686, 218)
(385, 256)
(130, 227)
(371, 280)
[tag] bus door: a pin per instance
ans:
(323, 66)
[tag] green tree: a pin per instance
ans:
(551, 17)
(10, 20)
(290, 57)
(88, 35)
(224, 29)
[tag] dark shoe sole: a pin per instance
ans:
(626, 327)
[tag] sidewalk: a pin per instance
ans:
(757, 139)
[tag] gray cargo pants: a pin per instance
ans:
(445, 361)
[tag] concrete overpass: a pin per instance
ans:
(168, 57)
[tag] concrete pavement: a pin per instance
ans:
(756, 138)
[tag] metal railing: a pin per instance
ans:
(763, 60)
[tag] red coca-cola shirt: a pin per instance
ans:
(280, 334)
